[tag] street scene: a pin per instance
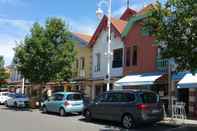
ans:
(34, 120)
(98, 65)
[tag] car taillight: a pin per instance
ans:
(141, 107)
(66, 103)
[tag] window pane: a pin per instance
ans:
(59, 97)
(74, 97)
(128, 97)
(82, 63)
(115, 97)
(128, 56)
(149, 97)
(77, 97)
(98, 60)
(134, 59)
(117, 58)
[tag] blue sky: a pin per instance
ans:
(17, 17)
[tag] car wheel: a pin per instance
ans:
(44, 109)
(127, 121)
(87, 115)
(62, 112)
(6, 104)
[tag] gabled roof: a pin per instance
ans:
(119, 24)
(146, 9)
(116, 24)
(145, 12)
(127, 14)
(83, 37)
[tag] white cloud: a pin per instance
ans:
(86, 26)
(11, 31)
(7, 43)
(19, 28)
(20, 24)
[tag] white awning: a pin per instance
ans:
(138, 79)
(188, 81)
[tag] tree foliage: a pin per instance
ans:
(174, 24)
(3, 74)
(47, 54)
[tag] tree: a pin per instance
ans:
(47, 54)
(3, 74)
(174, 24)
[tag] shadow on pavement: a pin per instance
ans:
(56, 114)
(114, 126)
(16, 109)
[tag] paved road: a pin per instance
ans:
(12, 120)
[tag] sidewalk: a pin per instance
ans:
(178, 122)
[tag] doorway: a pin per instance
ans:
(183, 96)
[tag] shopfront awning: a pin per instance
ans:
(138, 79)
(188, 81)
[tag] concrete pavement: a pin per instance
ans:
(12, 120)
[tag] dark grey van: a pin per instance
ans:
(130, 107)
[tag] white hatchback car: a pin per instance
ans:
(4, 97)
(17, 100)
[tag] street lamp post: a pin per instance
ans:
(99, 14)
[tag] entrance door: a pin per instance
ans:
(183, 96)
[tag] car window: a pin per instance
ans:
(127, 97)
(114, 97)
(148, 97)
(121, 97)
(52, 98)
(101, 98)
(59, 97)
(74, 97)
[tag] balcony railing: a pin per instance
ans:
(162, 64)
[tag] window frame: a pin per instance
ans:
(128, 57)
(135, 55)
(117, 61)
(98, 62)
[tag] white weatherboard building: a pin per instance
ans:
(99, 57)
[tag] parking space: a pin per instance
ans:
(34, 120)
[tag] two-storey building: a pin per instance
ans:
(98, 43)
(83, 64)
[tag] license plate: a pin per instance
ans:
(155, 111)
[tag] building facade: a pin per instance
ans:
(99, 45)
(83, 64)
